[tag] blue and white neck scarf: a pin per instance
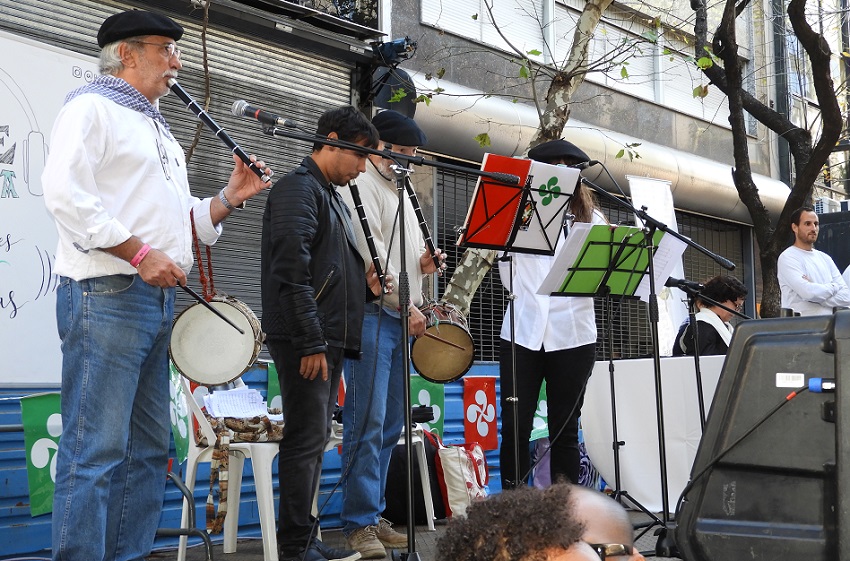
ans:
(122, 93)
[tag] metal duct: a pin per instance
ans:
(699, 185)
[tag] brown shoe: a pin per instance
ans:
(366, 542)
(389, 537)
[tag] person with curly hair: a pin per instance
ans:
(522, 524)
(714, 332)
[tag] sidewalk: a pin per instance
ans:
(426, 545)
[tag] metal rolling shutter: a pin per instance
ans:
(297, 84)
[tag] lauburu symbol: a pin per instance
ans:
(425, 400)
(481, 413)
(540, 415)
(551, 189)
(178, 411)
(44, 449)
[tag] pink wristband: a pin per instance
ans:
(137, 259)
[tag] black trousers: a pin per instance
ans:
(566, 373)
(308, 406)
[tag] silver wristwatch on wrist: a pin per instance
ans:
(227, 204)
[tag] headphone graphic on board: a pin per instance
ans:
(34, 150)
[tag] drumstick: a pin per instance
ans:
(208, 306)
(441, 340)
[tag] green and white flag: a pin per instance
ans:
(540, 424)
(179, 412)
(429, 394)
(273, 398)
(42, 427)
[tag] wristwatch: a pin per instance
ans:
(227, 204)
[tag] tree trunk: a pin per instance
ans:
(467, 277)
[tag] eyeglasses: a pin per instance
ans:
(171, 49)
(606, 550)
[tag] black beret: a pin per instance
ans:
(395, 128)
(556, 150)
(136, 23)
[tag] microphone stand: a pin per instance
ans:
(693, 294)
(665, 547)
(401, 169)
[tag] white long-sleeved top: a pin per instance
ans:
(380, 203)
(822, 289)
(542, 321)
(113, 173)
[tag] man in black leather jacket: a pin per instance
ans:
(313, 291)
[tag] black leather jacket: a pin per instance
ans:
(313, 283)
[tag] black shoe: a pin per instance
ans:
(309, 554)
(332, 554)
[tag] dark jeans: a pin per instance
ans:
(307, 409)
(566, 373)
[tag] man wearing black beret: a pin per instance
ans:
(116, 185)
(373, 415)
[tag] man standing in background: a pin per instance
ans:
(809, 281)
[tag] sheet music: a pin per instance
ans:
(565, 258)
(241, 403)
(667, 256)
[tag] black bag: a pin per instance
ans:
(396, 494)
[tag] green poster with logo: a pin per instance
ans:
(42, 427)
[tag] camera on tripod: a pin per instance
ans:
(394, 52)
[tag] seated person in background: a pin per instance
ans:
(522, 524)
(607, 528)
(713, 329)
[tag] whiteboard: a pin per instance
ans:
(34, 79)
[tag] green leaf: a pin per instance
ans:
(474, 17)
(439, 90)
(398, 95)
(624, 73)
(523, 71)
(441, 72)
(650, 36)
(620, 154)
(483, 139)
(533, 52)
(705, 62)
(701, 91)
(426, 99)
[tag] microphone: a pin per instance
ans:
(242, 108)
(585, 165)
(683, 284)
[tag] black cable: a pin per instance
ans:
(735, 443)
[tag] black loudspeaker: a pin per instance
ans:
(778, 493)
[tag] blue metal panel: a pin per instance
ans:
(22, 534)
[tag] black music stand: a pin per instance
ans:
(518, 219)
(605, 261)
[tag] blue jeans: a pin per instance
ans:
(372, 418)
(112, 458)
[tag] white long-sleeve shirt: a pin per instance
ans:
(113, 173)
(810, 283)
(380, 203)
(542, 321)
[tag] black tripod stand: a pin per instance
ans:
(665, 545)
(609, 261)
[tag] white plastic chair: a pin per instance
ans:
(262, 456)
